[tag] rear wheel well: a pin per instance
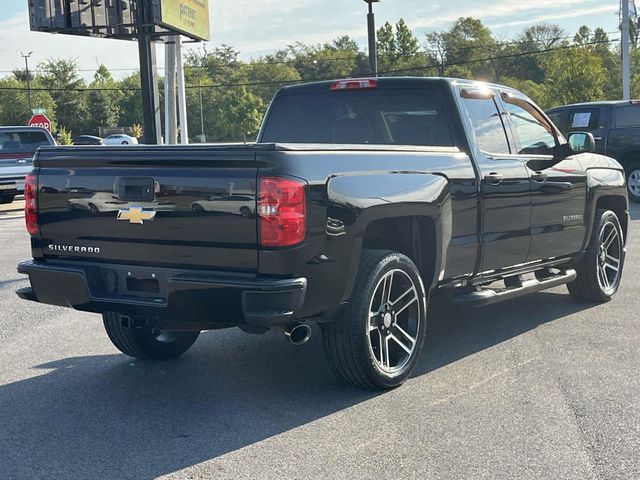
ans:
(617, 205)
(413, 236)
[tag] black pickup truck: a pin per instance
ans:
(616, 129)
(360, 200)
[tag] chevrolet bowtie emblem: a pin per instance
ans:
(136, 215)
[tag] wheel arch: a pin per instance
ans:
(400, 211)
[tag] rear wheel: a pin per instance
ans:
(379, 341)
(147, 344)
(633, 182)
(5, 199)
(600, 269)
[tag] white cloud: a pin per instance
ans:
(555, 16)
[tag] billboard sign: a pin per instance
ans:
(190, 17)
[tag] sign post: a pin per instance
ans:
(40, 120)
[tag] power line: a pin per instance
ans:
(291, 81)
(360, 55)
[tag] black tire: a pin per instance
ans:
(147, 344)
(349, 342)
(6, 199)
(633, 181)
(592, 285)
(93, 209)
(125, 143)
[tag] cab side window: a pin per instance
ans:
(534, 133)
(487, 125)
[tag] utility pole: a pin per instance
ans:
(182, 93)
(373, 48)
(203, 137)
(26, 67)
(170, 111)
(148, 74)
(626, 53)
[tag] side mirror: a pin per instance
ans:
(582, 142)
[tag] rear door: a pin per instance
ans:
(504, 182)
(558, 188)
(157, 207)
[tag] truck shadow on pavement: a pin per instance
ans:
(108, 416)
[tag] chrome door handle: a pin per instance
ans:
(494, 178)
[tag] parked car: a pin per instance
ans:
(616, 129)
(17, 146)
(371, 196)
(236, 204)
(87, 140)
(120, 139)
(102, 202)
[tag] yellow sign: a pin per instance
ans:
(190, 17)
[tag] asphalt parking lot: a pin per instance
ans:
(539, 387)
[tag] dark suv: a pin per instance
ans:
(616, 129)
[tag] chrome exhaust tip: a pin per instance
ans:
(298, 333)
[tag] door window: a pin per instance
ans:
(584, 119)
(533, 131)
(628, 116)
(487, 125)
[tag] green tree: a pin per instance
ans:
(520, 58)
(573, 76)
(230, 114)
(399, 50)
(465, 49)
(103, 101)
(130, 101)
(14, 101)
(62, 77)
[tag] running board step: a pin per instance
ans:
(487, 296)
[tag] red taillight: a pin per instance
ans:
(356, 84)
(281, 211)
(31, 204)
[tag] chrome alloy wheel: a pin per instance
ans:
(610, 253)
(634, 183)
(394, 322)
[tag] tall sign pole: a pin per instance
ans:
(148, 74)
(373, 48)
(626, 64)
(26, 69)
(170, 111)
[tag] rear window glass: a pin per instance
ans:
(378, 117)
(628, 116)
(19, 142)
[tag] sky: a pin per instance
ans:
(258, 27)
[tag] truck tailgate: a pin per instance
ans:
(156, 206)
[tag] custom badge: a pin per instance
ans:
(136, 215)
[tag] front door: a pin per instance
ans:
(558, 188)
(504, 184)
